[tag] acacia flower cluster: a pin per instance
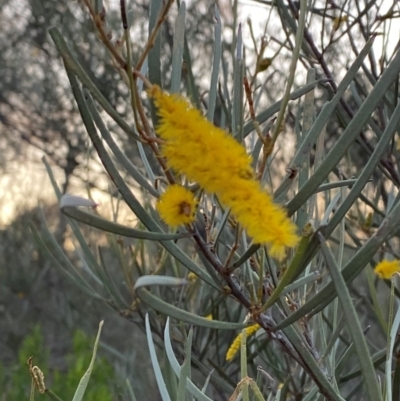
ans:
(177, 206)
(235, 346)
(387, 268)
(219, 164)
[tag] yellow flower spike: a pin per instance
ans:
(177, 206)
(235, 346)
(387, 268)
(220, 165)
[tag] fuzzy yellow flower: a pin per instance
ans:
(235, 346)
(219, 164)
(387, 268)
(177, 206)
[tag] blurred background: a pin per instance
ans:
(41, 312)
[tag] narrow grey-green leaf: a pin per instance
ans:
(336, 184)
(270, 111)
(173, 311)
(154, 56)
(309, 278)
(328, 109)
(154, 360)
(119, 154)
(349, 135)
(80, 391)
(365, 254)
(73, 65)
(130, 390)
(389, 355)
(177, 50)
(96, 221)
(212, 95)
(57, 257)
(184, 374)
(304, 171)
(353, 324)
(237, 103)
(351, 270)
(292, 270)
(123, 188)
(307, 358)
(199, 395)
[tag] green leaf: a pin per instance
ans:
(96, 221)
(270, 111)
(328, 109)
(119, 154)
(74, 66)
(217, 50)
(389, 352)
(171, 310)
(49, 245)
(306, 357)
(130, 390)
(80, 391)
(199, 395)
(123, 188)
(349, 135)
(367, 252)
(154, 360)
(238, 74)
(353, 324)
(185, 369)
(293, 64)
(292, 271)
(177, 50)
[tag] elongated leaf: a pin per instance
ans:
(304, 171)
(131, 393)
(353, 324)
(378, 359)
(396, 381)
(328, 109)
(351, 270)
(177, 50)
(154, 360)
(270, 111)
(124, 190)
(389, 355)
(192, 88)
(336, 184)
(237, 104)
(80, 391)
(291, 271)
(96, 221)
(154, 56)
(349, 135)
(119, 154)
(365, 254)
(251, 250)
(73, 65)
(299, 32)
(212, 96)
(306, 358)
(56, 257)
(309, 278)
(171, 310)
(185, 369)
(199, 395)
